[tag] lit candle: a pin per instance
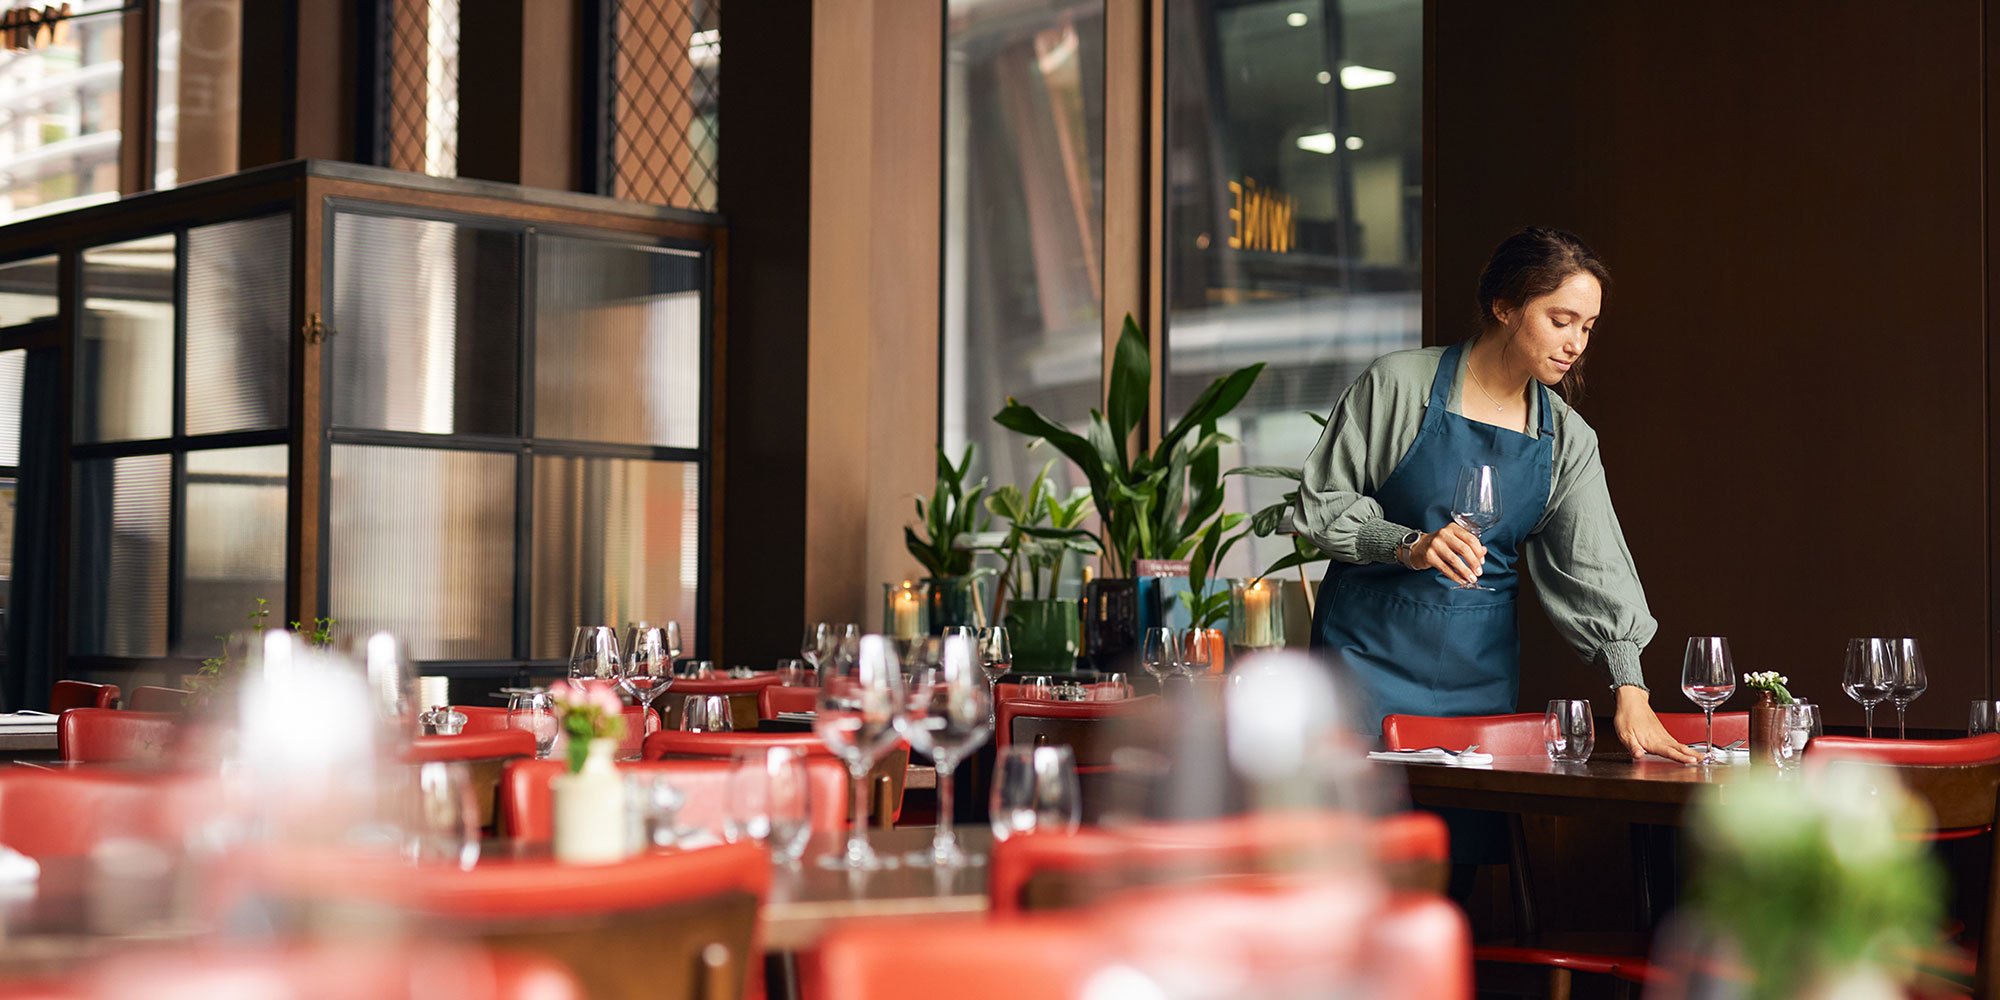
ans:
(905, 608)
(1256, 616)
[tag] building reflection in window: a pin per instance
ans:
(59, 106)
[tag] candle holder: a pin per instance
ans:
(1256, 617)
(906, 610)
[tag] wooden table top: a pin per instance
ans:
(807, 900)
(1609, 786)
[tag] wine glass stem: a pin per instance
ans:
(1868, 719)
(1708, 717)
(857, 839)
(1901, 732)
(945, 840)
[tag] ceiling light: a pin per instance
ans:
(1296, 19)
(1325, 77)
(1317, 142)
(1364, 77)
(1353, 142)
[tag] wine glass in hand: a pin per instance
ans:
(1867, 676)
(1708, 678)
(1477, 505)
(1906, 681)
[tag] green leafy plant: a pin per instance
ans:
(1274, 518)
(1206, 606)
(949, 520)
(1043, 528)
(216, 669)
(1151, 505)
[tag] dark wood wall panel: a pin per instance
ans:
(1790, 377)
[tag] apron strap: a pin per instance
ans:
(1441, 382)
(1548, 423)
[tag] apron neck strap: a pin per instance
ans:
(1548, 408)
(1441, 382)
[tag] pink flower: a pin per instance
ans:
(605, 699)
(564, 693)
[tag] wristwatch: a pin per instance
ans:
(1404, 545)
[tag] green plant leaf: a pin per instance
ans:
(1268, 472)
(1024, 420)
(1318, 418)
(1218, 399)
(1131, 383)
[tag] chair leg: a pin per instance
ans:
(1559, 982)
(1521, 880)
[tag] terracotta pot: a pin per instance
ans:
(1767, 729)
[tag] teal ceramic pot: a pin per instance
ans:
(1043, 635)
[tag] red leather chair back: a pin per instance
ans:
(471, 746)
(66, 695)
(1513, 735)
(61, 814)
(745, 696)
(482, 719)
(488, 719)
(1688, 727)
(1082, 725)
(1024, 691)
(775, 698)
(367, 971)
(672, 744)
(99, 735)
(527, 802)
(1981, 749)
(151, 698)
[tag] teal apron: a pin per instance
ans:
(1417, 643)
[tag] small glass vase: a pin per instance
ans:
(1256, 617)
(954, 600)
(906, 610)
(1767, 729)
(590, 809)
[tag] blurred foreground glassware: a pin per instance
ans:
(1906, 680)
(706, 713)
(1035, 790)
(1985, 718)
(1708, 678)
(1867, 676)
(770, 801)
(593, 654)
(535, 712)
(652, 808)
(1798, 723)
(394, 680)
(1569, 731)
(860, 698)
(445, 817)
(949, 716)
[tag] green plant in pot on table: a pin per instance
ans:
(1150, 504)
(950, 519)
(1043, 529)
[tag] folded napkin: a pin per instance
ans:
(1432, 755)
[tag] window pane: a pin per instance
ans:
(617, 343)
(1293, 176)
(239, 302)
(27, 290)
(616, 541)
(118, 556)
(125, 356)
(419, 110)
(666, 79)
(13, 368)
(234, 549)
(1024, 181)
(59, 117)
(422, 544)
(197, 80)
(426, 323)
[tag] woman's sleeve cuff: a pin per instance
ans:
(1377, 540)
(1622, 660)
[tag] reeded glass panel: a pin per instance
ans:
(120, 515)
(1294, 237)
(13, 369)
(239, 295)
(426, 323)
(125, 355)
(615, 540)
(422, 545)
(28, 291)
(1024, 221)
(617, 343)
(196, 82)
(59, 107)
(234, 548)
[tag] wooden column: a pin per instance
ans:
(300, 89)
(873, 295)
(519, 92)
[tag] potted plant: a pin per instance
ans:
(1208, 604)
(218, 671)
(1150, 504)
(950, 520)
(1043, 529)
(1276, 519)
(590, 798)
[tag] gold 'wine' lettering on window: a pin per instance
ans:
(22, 27)
(1260, 218)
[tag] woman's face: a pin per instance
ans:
(1549, 333)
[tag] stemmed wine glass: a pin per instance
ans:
(535, 713)
(1196, 651)
(1906, 681)
(948, 718)
(1867, 676)
(1708, 678)
(1157, 654)
(649, 664)
(1477, 505)
(860, 698)
(593, 654)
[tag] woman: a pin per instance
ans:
(1402, 601)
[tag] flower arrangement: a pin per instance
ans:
(1772, 681)
(585, 713)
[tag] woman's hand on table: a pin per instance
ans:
(1641, 731)
(1450, 550)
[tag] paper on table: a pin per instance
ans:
(1433, 755)
(28, 719)
(1727, 753)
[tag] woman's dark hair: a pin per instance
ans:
(1529, 264)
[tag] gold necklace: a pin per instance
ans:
(1497, 405)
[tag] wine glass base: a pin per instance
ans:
(872, 862)
(951, 857)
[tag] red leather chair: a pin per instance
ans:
(1981, 749)
(743, 694)
(481, 719)
(66, 695)
(505, 743)
(1024, 691)
(487, 719)
(151, 698)
(99, 735)
(672, 744)
(1040, 871)
(1689, 727)
(1081, 725)
(527, 804)
(373, 971)
(62, 814)
(775, 698)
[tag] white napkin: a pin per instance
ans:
(434, 691)
(18, 872)
(27, 720)
(1432, 755)
(1727, 754)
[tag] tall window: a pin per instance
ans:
(418, 109)
(59, 115)
(197, 89)
(663, 86)
(1294, 165)
(1023, 221)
